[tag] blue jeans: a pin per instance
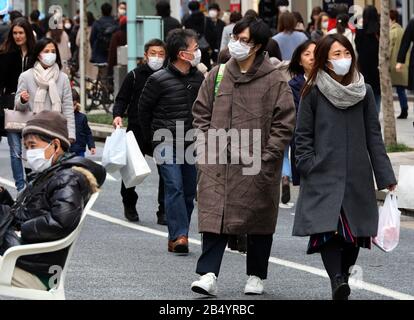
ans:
(286, 169)
(15, 145)
(180, 185)
(402, 96)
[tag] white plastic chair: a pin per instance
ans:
(8, 263)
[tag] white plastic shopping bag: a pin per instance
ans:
(405, 187)
(114, 154)
(136, 169)
(388, 234)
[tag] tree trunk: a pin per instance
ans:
(390, 133)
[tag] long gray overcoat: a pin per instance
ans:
(337, 152)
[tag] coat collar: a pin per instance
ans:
(178, 73)
(261, 67)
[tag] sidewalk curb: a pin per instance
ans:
(100, 131)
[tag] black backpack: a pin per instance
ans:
(104, 37)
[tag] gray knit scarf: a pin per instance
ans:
(342, 97)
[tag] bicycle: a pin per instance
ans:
(98, 92)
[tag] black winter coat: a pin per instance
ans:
(126, 102)
(407, 39)
(11, 67)
(168, 97)
(49, 209)
(367, 46)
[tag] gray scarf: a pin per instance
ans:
(342, 97)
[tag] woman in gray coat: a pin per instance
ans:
(44, 86)
(338, 146)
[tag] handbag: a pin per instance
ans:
(202, 41)
(15, 121)
(6, 102)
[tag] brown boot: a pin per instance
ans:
(180, 245)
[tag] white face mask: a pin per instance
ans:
(325, 25)
(238, 50)
(122, 12)
(68, 25)
(155, 63)
(37, 161)
(283, 9)
(197, 58)
(213, 14)
(48, 59)
(341, 66)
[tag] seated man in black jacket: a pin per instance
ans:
(126, 103)
(165, 107)
(51, 205)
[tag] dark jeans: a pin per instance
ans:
(214, 245)
(402, 96)
(130, 197)
(180, 185)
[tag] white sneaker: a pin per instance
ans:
(207, 285)
(254, 286)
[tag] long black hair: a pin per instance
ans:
(10, 45)
(40, 45)
(371, 20)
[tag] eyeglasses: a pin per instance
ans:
(242, 41)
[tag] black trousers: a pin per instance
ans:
(214, 245)
(130, 197)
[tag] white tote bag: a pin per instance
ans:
(388, 234)
(114, 155)
(136, 169)
(405, 187)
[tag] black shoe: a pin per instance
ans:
(285, 192)
(161, 219)
(340, 288)
(131, 214)
(403, 115)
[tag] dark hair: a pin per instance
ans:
(342, 21)
(154, 43)
(298, 17)
(319, 22)
(56, 34)
(178, 40)
(295, 67)
(194, 6)
(122, 3)
(315, 12)
(75, 95)
(14, 15)
(321, 58)
(90, 18)
(106, 9)
(371, 22)
(40, 45)
(394, 15)
(163, 8)
(10, 45)
(251, 13)
(281, 3)
(34, 16)
(214, 6)
(287, 22)
(235, 16)
(259, 31)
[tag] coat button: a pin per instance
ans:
(218, 175)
